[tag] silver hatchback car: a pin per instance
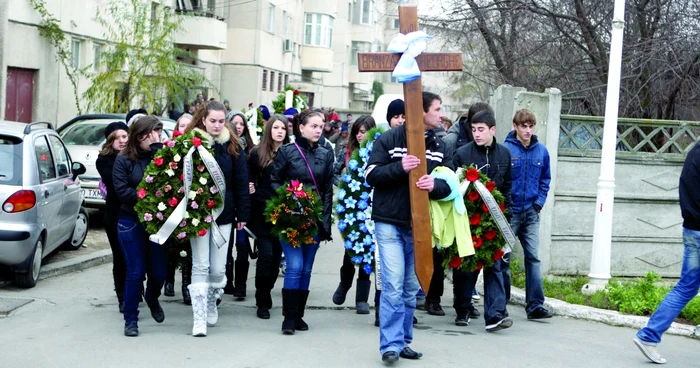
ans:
(41, 198)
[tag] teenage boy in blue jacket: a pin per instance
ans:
(531, 178)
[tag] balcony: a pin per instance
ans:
(317, 59)
(202, 27)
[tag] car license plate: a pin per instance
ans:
(92, 194)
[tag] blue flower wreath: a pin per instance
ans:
(353, 206)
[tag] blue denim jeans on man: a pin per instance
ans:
(300, 262)
(685, 290)
(399, 287)
(142, 257)
(526, 225)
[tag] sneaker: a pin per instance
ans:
(539, 313)
(435, 309)
(649, 351)
(500, 325)
(462, 319)
(475, 295)
(473, 312)
(131, 329)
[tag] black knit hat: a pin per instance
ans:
(114, 126)
(484, 116)
(396, 107)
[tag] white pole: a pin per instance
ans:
(602, 232)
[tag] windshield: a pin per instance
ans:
(11, 158)
(84, 134)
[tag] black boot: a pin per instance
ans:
(169, 289)
(290, 305)
(361, 296)
(228, 289)
(120, 299)
(241, 276)
(263, 299)
(300, 324)
(186, 281)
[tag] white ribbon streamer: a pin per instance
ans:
(411, 45)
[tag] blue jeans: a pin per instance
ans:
(142, 256)
(526, 226)
(300, 261)
(399, 286)
(494, 291)
(685, 290)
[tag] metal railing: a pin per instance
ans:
(636, 138)
(201, 8)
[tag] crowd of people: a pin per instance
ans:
(314, 147)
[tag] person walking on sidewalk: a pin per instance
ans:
(209, 258)
(387, 171)
(117, 135)
(687, 288)
(531, 176)
(142, 255)
(310, 162)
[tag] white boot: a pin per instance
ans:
(198, 294)
(213, 295)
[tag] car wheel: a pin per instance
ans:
(29, 278)
(79, 231)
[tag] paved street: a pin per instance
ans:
(74, 322)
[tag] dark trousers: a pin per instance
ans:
(142, 257)
(437, 282)
(118, 263)
(494, 291)
(347, 272)
(266, 269)
(463, 283)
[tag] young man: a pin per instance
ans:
(387, 172)
(395, 114)
(460, 133)
(493, 159)
(687, 288)
(348, 122)
(531, 176)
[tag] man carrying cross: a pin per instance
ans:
(388, 172)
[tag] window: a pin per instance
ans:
(47, 171)
(75, 52)
(96, 55)
(271, 19)
(264, 81)
(362, 12)
(396, 23)
(62, 161)
(286, 80)
(285, 23)
(279, 82)
(359, 46)
(272, 81)
(318, 30)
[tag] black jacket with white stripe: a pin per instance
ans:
(391, 202)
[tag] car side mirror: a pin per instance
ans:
(78, 169)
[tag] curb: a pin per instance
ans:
(614, 318)
(76, 264)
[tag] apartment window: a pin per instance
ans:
(285, 23)
(96, 55)
(359, 46)
(362, 12)
(271, 19)
(75, 52)
(318, 30)
(272, 81)
(264, 80)
(396, 23)
(279, 82)
(286, 80)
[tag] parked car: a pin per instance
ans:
(84, 137)
(41, 198)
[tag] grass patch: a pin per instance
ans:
(638, 297)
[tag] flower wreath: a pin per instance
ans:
(487, 238)
(254, 118)
(295, 213)
(162, 188)
(353, 206)
(299, 101)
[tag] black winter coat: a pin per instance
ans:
(262, 179)
(237, 198)
(689, 190)
(497, 157)
(289, 165)
(105, 166)
(391, 202)
(127, 175)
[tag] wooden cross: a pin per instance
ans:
(415, 133)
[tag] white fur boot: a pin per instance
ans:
(198, 293)
(213, 295)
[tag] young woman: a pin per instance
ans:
(237, 272)
(269, 247)
(117, 134)
(186, 268)
(142, 256)
(311, 163)
(209, 258)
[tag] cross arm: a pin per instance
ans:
(427, 62)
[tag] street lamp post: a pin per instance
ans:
(602, 231)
